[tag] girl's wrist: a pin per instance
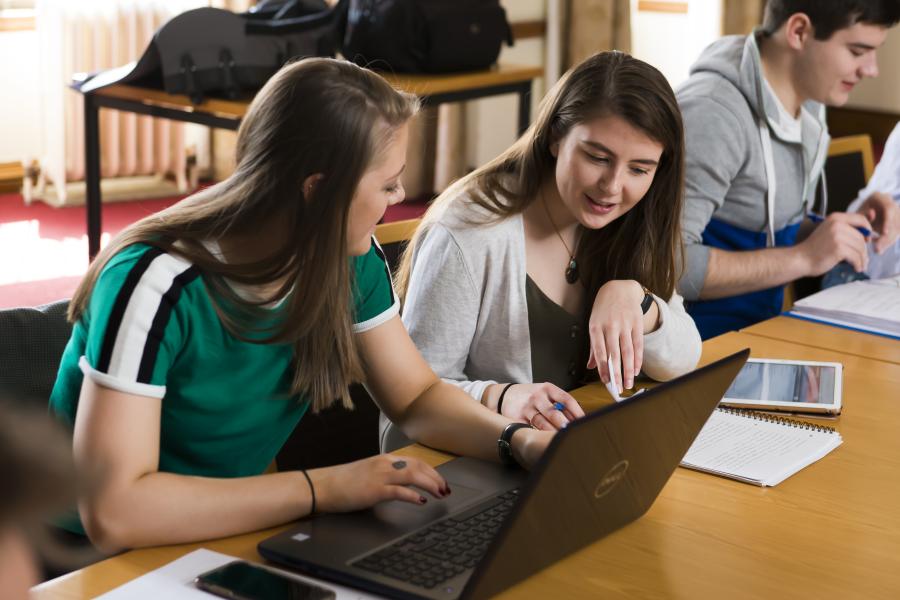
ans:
(499, 406)
(640, 290)
(316, 480)
(652, 318)
(490, 395)
(521, 445)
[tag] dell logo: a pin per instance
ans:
(610, 479)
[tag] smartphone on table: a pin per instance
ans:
(241, 580)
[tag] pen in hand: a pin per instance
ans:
(867, 233)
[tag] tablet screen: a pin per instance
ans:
(779, 382)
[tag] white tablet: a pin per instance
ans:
(787, 385)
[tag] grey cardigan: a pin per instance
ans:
(466, 311)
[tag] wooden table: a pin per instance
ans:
(227, 114)
(830, 531)
(822, 335)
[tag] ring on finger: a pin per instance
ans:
(531, 420)
(559, 406)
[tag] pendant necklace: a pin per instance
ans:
(572, 267)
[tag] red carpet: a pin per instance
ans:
(43, 250)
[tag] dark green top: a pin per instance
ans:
(559, 341)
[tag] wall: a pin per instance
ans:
(882, 93)
(491, 122)
(20, 132)
(672, 41)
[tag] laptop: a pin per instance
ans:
(501, 525)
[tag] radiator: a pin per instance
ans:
(91, 35)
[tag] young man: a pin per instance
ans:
(756, 141)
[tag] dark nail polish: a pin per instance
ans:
(448, 490)
(422, 499)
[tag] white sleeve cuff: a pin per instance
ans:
(113, 383)
(473, 388)
(378, 319)
(663, 308)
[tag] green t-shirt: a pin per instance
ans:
(150, 329)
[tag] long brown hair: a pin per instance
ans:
(315, 116)
(645, 243)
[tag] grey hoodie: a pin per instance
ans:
(727, 177)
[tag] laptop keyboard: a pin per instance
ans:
(444, 549)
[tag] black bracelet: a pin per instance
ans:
(500, 400)
(312, 491)
(646, 303)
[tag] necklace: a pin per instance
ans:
(572, 268)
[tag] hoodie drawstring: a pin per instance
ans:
(769, 162)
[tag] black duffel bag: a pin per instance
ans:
(208, 51)
(425, 36)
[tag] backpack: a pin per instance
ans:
(425, 36)
(213, 51)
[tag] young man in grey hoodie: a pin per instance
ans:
(756, 141)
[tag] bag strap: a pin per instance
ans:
(188, 70)
(278, 26)
(226, 66)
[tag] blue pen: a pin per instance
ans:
(819, 218)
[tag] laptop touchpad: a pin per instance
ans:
(412, 516)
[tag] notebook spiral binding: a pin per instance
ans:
(749, 414)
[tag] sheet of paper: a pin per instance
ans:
(174, 581)
(878, 299)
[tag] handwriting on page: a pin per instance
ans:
(732, 447)
(729, 444)
(756, 449)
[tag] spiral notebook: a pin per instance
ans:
(755, 448)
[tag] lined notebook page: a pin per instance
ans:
(756, 448)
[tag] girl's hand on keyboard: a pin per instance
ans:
(361, 484)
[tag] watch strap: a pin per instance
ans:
(647, 301)
(504, 444)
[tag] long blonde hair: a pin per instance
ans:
(645, 243)
(315, 116)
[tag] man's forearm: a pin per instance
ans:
(731, 273)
